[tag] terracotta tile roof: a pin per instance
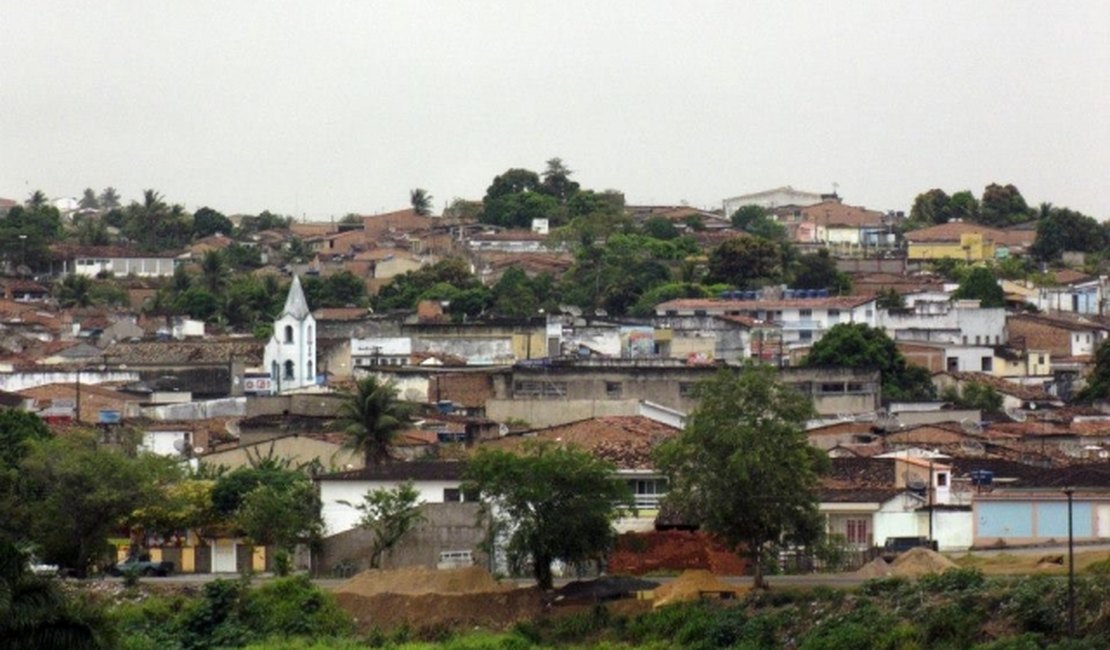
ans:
(858, 495)
(627, 441)
(1074, 323)
(832, 214)
(417, 470)
(861, 472)
(1020, 391)
(509, 235)
(341, 313)
(185, 353)
(1070, 276)
(842, 302)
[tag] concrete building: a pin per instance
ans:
(960, 322)
(776, 198)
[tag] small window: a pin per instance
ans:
(942, 479)
(613, 389)
(855, 388)
(452, 495)
(805, 335)
(1040, 359)
(976, 339)
(832, 388)
(699, 312)
(288, 333)
(987, 364)
(290, 370)
(805, 313)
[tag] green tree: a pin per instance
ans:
(818, 271)
(207, 221)
(36, 614)
(214, 272)
(557, 503)
(421, 201)
(930, 209)
(556, 181)
(513, 181)
(856, 345)
(89, 201)
(92, 232)
(38, 199)
(281, 515)
(963, 205)
(82, 494)
(743, 466)
(74, 291)
(659, 228)
(746, 262)
(109, 198)
(974, 395)
(388, 514)
(1098, 380)
(156, 225)
(1003, 205)
(405, 290)
(1061, 230)
(746, 215)
(980, 284)
(371, 417)
(197, 302)
(889, 298)
(513, 295)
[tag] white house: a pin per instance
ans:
(936, 319)
(776, 198)
(117, 261)
(381, 351)
(290, 354)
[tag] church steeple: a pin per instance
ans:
(295, 303)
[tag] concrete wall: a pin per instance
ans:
(16, 381)
(546, 413)
(957, 325)
(339, 517)
(1017, 519)
(230, 407)
(297, 449)
(447, 527)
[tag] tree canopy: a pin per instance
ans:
(856, 345)
(980, 284)
(743, 468)
(389, 514)
(556, 503)
(746, 262)
(371, 416)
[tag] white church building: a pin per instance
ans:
(290, 355)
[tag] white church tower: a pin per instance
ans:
(290, 355)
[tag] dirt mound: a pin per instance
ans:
(920, 561)
(692, 585)
(413, 581)
(493, 610)
(604, 588)
(672, 550)
(877, 568)
(423, 598)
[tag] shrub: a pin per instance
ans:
(952, 580)
(293, 606)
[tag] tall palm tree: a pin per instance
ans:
(37, 199)
(421, 201)
(89, 201)
(371, 417)
(74, 291)
(109, 198)
(214, 271)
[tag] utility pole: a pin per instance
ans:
(1071, 565)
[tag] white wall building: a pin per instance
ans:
(381, 351)
(436, 481)
(290, 355)
(776, 198)
(962, 322)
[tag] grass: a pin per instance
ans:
(1028, 563)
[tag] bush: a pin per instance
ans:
(294, 607)
(952, 580)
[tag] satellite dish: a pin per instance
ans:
(179, 445)
(972, 447)
(971, 426)
(1017, 415)
(198, 450)
(502, 429)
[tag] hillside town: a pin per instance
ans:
(954, 355)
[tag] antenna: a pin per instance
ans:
(1015, 414)
(971, 426)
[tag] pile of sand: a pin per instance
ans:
(432, 598)
(695, 584)
(877, 568)
(421, 580)
(920, 561)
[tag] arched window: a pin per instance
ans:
(288, 333)
(309, 335)
(274, 370)
(308, 373)
(290, 371)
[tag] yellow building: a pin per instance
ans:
(959, 241)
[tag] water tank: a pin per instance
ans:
(981, 477)
(822, 293)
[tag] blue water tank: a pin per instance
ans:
(981, 477)
(822, 293)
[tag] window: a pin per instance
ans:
(805, 314)
(855, 388)
(832, 388)
(308, 372)
(976, 339)
(1040, 359)
(699, 312)
(834, 313)
(452, 495)
(672, 312)
(613, 389)
(805, 335)
(290, 370)
(987, 364)
(965, 339)
(942, 479)
(869, 314)
(857, 531)
(288, 333)
(549, 389)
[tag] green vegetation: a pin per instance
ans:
(743, 468)
(554, 502)
(371, 417)
(388, 514)
(856, 345)
(974, 395)
(980, 284)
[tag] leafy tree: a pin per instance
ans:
(82, 494)
(746, 215)
(109, 294)
(756, 220)
(421, 201)
(18, 429)
(281, 515)
(930, 209)
(1002, 206)
(889, 298)
(38, 199)
(240, 257)
(963, 205)
(207, 221)
(27, 232)
(513, 181)
(89, 201)
(214, 273)
(694, 222)
(265, 220)
(197, 302)
(463, 210)
(980, 284)
(36, 614)
(520, 209)
(856, 345)
(371, 417)
(1098, 381)
(645, 306)
(556, 181)
(1063, 230)
(92, 232)
(109, 198)
(585, 203)
(743, 466)
(558, 503)
(975, 395)
(613, 276)
(746, 262)
(232, 488)
(336, 290)
(155, 225)
(659, 228)
(388, 514)
(74, 291)
(405, 290)
(818, 271)
(513, 295)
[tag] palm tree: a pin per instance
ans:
(89, 200)
(421, 201)
(74, 291)
(109, 198)
(214, 271)
(371, 417)
(37, 199)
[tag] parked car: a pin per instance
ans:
(895, 546)
(142, 567)
(40, 569)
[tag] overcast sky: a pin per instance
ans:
(325, 108)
